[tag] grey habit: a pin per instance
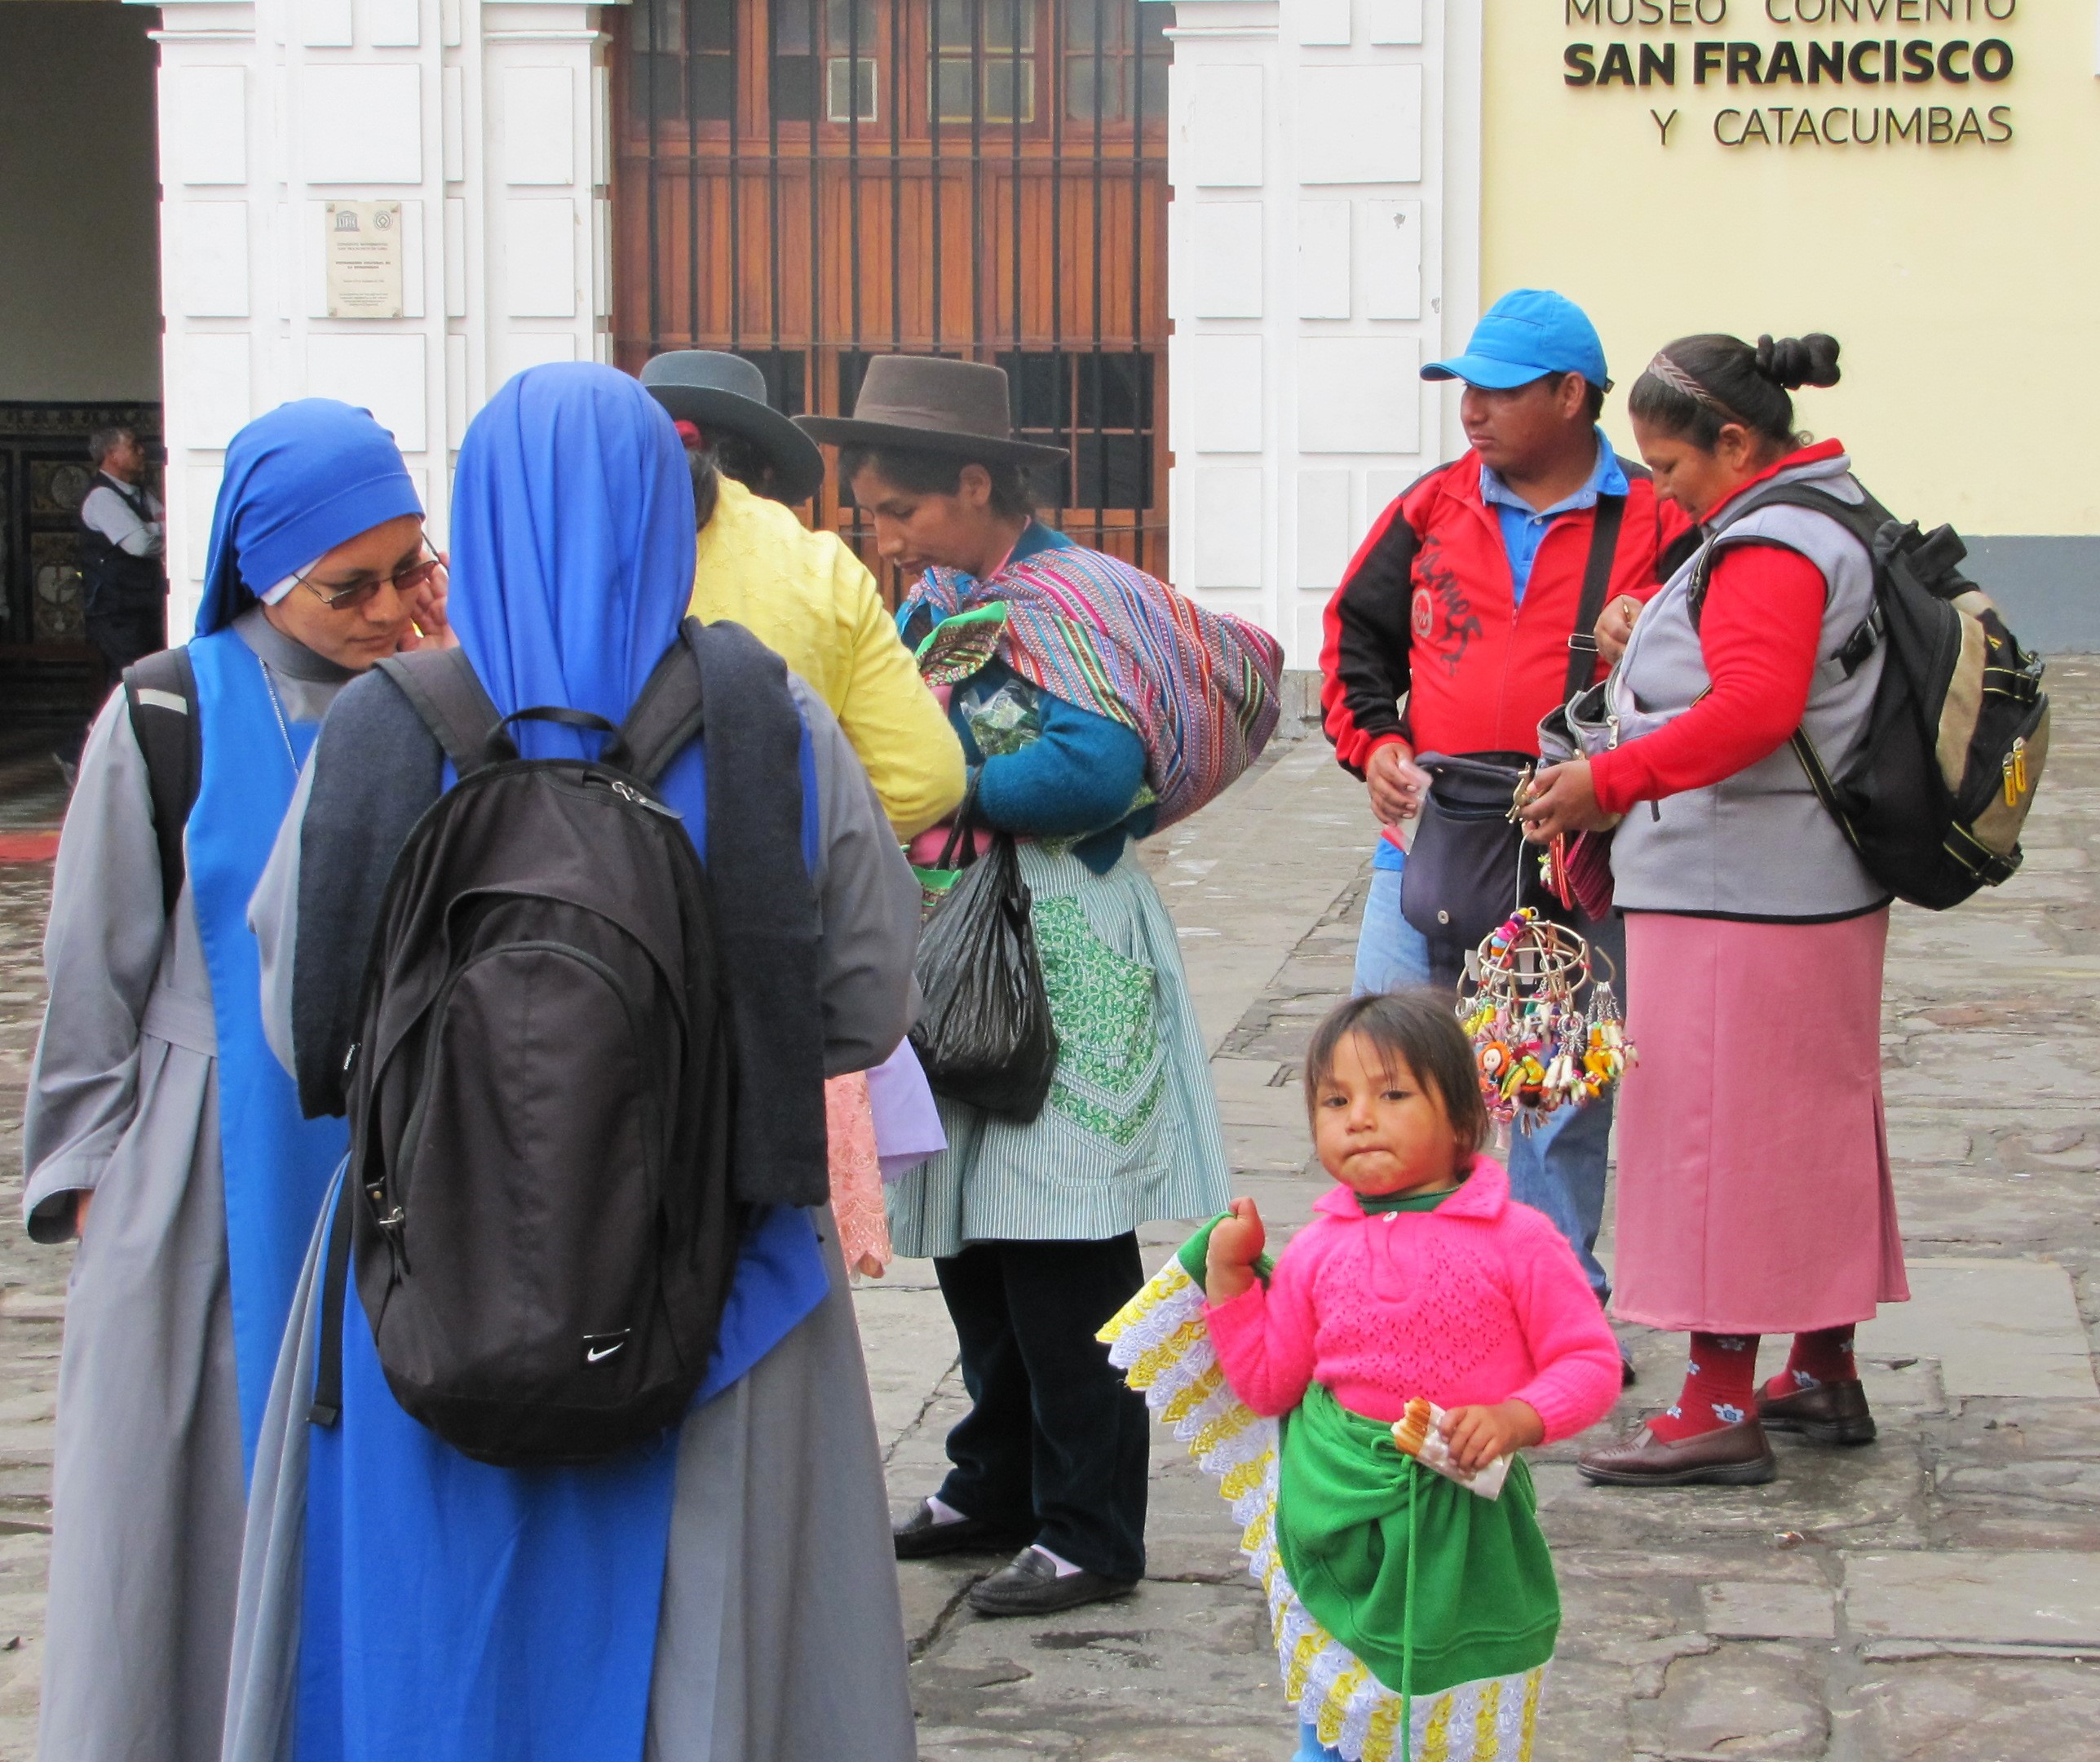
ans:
(781, 1634)
(123, 1102)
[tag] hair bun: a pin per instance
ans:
(1795, 362)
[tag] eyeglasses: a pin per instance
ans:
(410, 580)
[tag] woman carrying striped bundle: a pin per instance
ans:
(1095, 705)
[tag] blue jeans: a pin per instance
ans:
(1560, 1168)
(1391, 954)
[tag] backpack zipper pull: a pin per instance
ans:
(2016, 771)
(627, 792)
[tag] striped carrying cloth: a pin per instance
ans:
(1198, 688)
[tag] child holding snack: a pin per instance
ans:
(1415, 1612)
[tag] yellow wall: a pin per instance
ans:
(1964, 282)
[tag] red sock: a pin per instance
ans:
(1822, 1356)
(1720, 1388)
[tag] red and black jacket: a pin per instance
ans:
(1428, 613)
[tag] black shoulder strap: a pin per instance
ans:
(160, 692)
(327, 1406)
(442, 685)
(668, 716)
(1596, 583)
(1863, 519)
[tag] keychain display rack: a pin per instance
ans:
(1539, 1043)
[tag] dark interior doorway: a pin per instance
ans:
(80, 337)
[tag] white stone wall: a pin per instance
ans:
(1324, 242)
(487, 120)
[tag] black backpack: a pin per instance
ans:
(160, 694)
(538, 1200)
(1935, 797)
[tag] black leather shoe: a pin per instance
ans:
(1029, 1585)
(1628, 1375)
(1823, 1413)
(918, 1537)
(1731, 1455)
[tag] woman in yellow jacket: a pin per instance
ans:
(803, 593)
(812, 602)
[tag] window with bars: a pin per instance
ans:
(1001, 64)
(1096, 404)
(1116, 59)
(786, 371)
(832, 42)
(808, 243)
(684, 61)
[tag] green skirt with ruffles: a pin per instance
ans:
(1413, 1619)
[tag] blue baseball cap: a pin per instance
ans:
(1525, 335)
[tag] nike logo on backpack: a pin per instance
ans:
(594, 1353)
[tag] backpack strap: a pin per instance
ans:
(446, 692)
(160, 692)
(1596, 583)
(667, 715)
(1863, 519)
(327, 1406)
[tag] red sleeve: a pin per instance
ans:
(1366, 636)
(1760, 629)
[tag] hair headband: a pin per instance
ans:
(1667, 370)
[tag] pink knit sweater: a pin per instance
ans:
(1477, 1302)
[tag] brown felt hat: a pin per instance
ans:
(926, 404)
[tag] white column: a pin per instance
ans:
(486, 122)
(1323, 243)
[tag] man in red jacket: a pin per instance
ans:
(1453, 631)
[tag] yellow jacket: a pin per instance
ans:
(812, 602)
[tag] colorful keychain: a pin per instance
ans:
(1537, 1045)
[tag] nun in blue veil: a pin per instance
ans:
(158, 1129)
(726, 1594)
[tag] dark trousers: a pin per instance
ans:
(1055, 1439)
(127, 628)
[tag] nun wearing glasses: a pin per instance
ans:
(160, 1132)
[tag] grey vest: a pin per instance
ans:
(1757, 844)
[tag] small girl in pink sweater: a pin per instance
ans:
(1408, 1608)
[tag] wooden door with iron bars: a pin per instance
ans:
(809, 183)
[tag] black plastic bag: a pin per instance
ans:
(984, 1036)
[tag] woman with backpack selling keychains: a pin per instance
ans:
(158, 1128)
(570, 1453)
(1754, 1192)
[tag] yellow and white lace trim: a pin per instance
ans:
(1160, 1342)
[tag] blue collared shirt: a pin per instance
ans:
(1524, 527)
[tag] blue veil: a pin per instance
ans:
(572, 545)
(300, 481)
(454, 1612)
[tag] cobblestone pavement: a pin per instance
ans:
(1934, 1597)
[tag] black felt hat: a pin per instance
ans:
(927, 404)
(726, 394)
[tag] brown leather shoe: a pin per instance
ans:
(1735, 1455)
(1823, 1413)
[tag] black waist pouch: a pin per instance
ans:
(1468, 867)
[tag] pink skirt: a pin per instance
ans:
(1755, 1195)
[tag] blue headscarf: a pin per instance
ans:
(572, 545)
(300, 481)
